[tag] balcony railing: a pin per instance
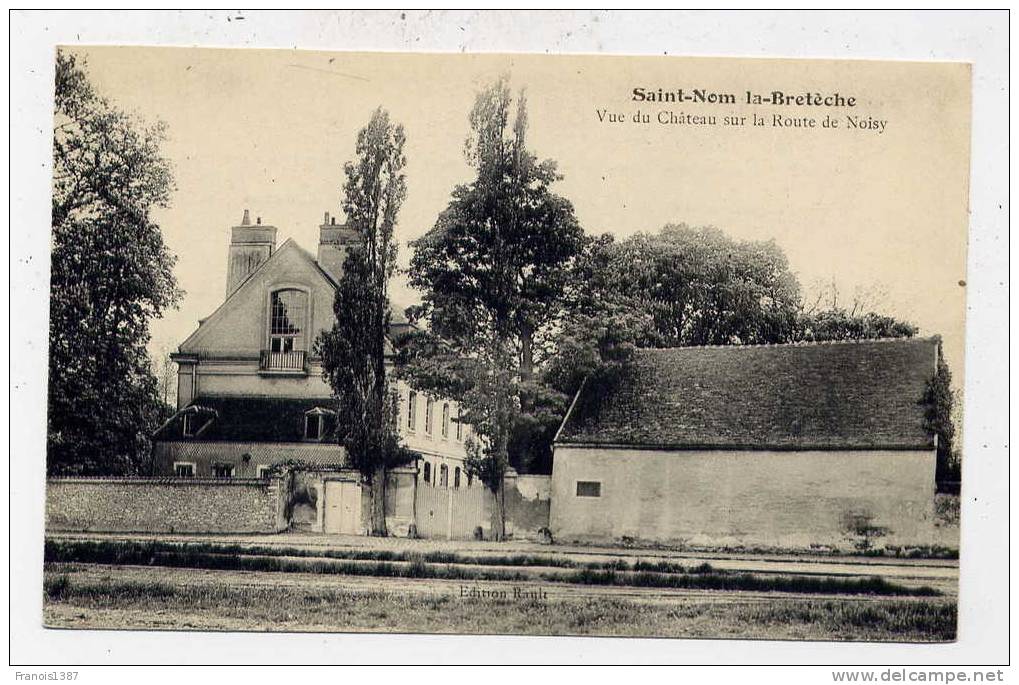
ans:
(283, 362)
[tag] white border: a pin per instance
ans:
(977, 37)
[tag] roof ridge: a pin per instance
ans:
(798, 343)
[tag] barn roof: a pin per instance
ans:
(247, 419)
(840, 395)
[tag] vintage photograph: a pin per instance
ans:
(506, 344)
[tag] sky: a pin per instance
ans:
(882, 212)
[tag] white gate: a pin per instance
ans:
(342, 513)
(450, 513)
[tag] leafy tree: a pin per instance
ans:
(827, 318)
(840, 324)
(678, 287)
(353, 351)
(493, 271)
(701, 287)
(110, 275)
(938, 400)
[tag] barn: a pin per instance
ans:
(773, 445)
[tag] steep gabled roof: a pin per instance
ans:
(248, 419)
(846, 395)
(398, 320)
(209, 322)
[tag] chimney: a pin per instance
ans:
(334, 241)
(249, 247)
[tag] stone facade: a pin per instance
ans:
(167, 505)
(734, 497)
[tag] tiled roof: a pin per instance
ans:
(845, 395)
(248, 419)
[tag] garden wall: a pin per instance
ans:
(167, 505)
(528, 499)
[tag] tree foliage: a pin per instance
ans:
(829, 318)
(701, 287)
(493, 271)
(111, 274)
(839, 324)
(938, 401)
(681, 286)
(353, 351)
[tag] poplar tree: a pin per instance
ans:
(354, 351)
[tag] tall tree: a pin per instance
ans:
(110, 275)
(353, 351)
(493, 271)
(938, 401)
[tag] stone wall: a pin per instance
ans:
(788, 499)
(400, 486)
(167, 505)
(528, 499)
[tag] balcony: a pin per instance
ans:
(292, 363)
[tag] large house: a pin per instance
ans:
(787, 445)
(250, 392)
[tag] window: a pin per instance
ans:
(470, 479)
(456, 477)
(189, 424)
(459, 425)
(429, 411)
(588, 488)
(445, 420)
(428, 472)
(287, 312)
(263, 471)
(412, 411)
(317, 423)
(223, 470)
(443, 476)
(312, 427)
(183, 469)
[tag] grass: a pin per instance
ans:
(113, 551)
(402, 565)
(108, 602)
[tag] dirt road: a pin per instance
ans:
(940, 574)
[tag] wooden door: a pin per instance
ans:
(342, 507)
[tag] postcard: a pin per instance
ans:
(506, 344)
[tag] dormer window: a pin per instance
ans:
(194, 419)
(189, 422)
(312, 427)
(315, 423)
